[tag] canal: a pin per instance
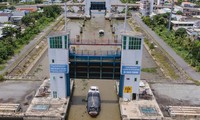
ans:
(109, 100)
(109, 97)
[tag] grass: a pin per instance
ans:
(160, 57)
(2, 78)
(165, 64)
(38, 69)
(2, 67)
(135, 27)
(196, 82)
(149, 70)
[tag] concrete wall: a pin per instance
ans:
(4, 19)
(87, 8)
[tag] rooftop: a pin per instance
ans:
(57, 33)
(27, 9)
(131, 33)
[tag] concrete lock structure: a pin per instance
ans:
(97, 5)
(58, 52)
(131, 59)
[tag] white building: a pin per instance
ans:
(54, 1)
(146, 7)
(160, 2)
(4, 17)
(27, 1)
(131, 60)
(59, 64)
(182, 24)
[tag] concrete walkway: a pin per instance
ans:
(179, 61)
(17, 57)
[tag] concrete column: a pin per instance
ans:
(87, 8)
(108, 5)
(158, 2)
(151, 6)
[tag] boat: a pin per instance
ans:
(93, 101)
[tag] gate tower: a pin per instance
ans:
(58, 52)
(131, 59)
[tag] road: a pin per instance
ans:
(179, 61)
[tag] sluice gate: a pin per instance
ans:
(95, 66)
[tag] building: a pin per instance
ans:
(17, 16)
(27, 1)
(160, 2)
(4, 17)
(27, 9)
(163, 11)
(146, 7)
(59, 64)
(193, 34)
(182, 24)
(188, 4)
(131, 60)
(54, 1)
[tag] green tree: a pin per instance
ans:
(180, 32)
(38, 1)
(9, 31)
(28, 20)
(179, 13)
(147, 20)
(52, 11)
(3, 52)
(12, 7)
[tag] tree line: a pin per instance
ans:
(186, 47)
(34, 23)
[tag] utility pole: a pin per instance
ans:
(65, 17)
(125, 18)
(170, 17)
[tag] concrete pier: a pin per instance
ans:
(44, 107)
(146, 108)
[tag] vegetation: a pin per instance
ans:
(179, 13)
(3, 7)
(129, 1)
(149, 70)
(38, 1)
(2, 78)
(178, 40)
(34, 22)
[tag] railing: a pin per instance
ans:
(95, 42)
(95, 53)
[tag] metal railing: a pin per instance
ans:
(95, 42)
(95, 53)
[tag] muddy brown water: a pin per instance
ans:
(109, 100)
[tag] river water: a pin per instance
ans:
(109, 100)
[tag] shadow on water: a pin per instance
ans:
(110, 101)
(78, 100)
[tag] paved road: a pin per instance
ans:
(180, 62)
